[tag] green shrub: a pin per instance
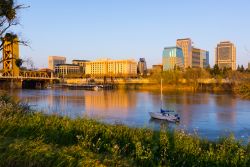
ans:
(34, 139)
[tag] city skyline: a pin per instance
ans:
(130, 30)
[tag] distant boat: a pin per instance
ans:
(96, 88)
(165, 114)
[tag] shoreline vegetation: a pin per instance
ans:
(30, 138)
(190, 79)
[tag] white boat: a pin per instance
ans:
(163, 114)
(96, 88)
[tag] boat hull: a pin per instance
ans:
(166, 116)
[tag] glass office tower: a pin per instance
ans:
(172, 57)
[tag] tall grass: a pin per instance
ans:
(243, 90)
(33, 139)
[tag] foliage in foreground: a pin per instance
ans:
(32, 139)
(243, 90)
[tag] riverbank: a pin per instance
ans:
(243, 90)
(29, 138)
(179, 87)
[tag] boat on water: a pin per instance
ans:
(96, 88)
(169, 116)
(165, 114)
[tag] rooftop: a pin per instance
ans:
(81, 60)
(67, 65)
(61, 57)
(184, 39)
(171, 47)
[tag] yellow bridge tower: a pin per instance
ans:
(10, 55)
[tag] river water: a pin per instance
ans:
(210, 115)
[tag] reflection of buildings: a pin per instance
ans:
(109, 103)
(192, 107)
(227, 113)
(226, 55)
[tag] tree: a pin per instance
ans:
(19, 62)
(238, 67)
(215, 71)
(242, 68)
(8, 18)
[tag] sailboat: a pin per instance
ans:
(165, 114)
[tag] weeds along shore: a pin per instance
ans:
(30, 138)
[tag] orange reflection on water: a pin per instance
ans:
(109, 103)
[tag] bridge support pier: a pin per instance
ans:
(35, 84)
(11, 84)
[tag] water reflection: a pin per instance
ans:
(226, 109)
(210, 114)
(109, 103)
(162, 124)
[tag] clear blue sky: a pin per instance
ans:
(122, 29)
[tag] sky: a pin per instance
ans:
(130, 29)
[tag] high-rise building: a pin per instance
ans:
(55, 60)
(142, 66)
(186, 46)
(172, 57)
(206, 61)
(196, 58)
(225, 55)
(108, 67)
(200, 58)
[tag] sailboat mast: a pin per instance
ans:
(161, 95)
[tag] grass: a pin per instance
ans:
(29, 138)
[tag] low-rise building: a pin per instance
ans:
(65, 69)
(157, 68)
(114, 68)
(82, 64)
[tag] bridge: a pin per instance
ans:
(13, 77)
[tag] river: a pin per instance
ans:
(210, 115)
